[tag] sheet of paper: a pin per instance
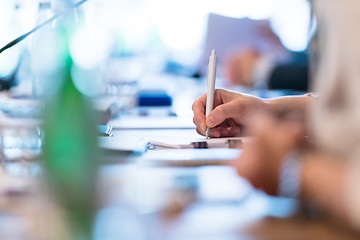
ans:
(137, 122)
(201, 142)
(137, 140)
(190, 157)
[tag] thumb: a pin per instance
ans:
(220, 114)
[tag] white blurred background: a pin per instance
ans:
(161, 29)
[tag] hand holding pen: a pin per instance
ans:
(231, 114)
(226, 113)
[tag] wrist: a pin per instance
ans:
(297, 103)
(290, 176)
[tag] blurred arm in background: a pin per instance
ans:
(326, 181)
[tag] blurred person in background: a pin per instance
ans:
(251, 68)
(309, 146)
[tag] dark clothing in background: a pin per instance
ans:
(294, 76)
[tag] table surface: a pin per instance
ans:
(213, 202)
(158, 201)
(208, 202)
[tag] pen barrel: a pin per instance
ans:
(211, 76)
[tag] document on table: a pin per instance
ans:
(141, 140)
(192, 153)
(174, 147)
(233, 142)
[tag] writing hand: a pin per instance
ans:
(230, 115)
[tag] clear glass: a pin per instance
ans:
(121, 78)
(20, 147)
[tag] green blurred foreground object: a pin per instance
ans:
(70, 150)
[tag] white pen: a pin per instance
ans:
(211, 76)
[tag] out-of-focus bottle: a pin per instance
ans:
(70, 148)
(43, 54)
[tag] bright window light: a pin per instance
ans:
(290, 21)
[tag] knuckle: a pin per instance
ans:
(218, 91)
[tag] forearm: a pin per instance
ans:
(323, 182)
(290, 103)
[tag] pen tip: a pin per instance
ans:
(213, 52)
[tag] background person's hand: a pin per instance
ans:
(230, 115)
(239, 67)
(262, 158)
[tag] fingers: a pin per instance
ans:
(224, 132)
(221, 112)
(199, 107)
(200, 131)
(199, 119)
